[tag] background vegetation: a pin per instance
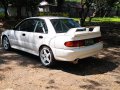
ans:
(100, 8)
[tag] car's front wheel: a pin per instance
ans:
(46, 56)
(6, 43)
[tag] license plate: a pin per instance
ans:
(89, 42)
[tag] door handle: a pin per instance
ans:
(40, 37)
(23, 34)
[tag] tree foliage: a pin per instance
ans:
(84, 10)
(30, 5)
(5, 5)
(101, 7)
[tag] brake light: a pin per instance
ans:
(74, 43)
(84, 42)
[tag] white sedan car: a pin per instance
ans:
(53, 38)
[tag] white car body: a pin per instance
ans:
(32, 41)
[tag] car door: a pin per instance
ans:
(19, 35)
(23, 31)
(27, 33)
(40, 33)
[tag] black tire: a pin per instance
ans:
(46, 56)
(6, 43)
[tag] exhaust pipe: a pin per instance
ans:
(75, 61)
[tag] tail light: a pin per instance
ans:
(79, 43)
(74, 43)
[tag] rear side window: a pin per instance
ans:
(63, 25)
(41, 27)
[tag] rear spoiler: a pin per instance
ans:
(83, 30)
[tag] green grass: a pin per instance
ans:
(2, 15)
(107, 19)
(73, 0)
(100, 19)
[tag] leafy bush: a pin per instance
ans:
(2, 13)
(53, 14)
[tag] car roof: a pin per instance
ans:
(48, 17)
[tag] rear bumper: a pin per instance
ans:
(79, 53)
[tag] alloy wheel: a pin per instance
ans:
(46, 56)
(6, 43)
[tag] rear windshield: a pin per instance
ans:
(63, 25)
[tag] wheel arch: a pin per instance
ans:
(2, 38)
(53, 60)
(48, 47)
(9, 45)
(45, 46)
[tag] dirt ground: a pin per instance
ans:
(23, 71)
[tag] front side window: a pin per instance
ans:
(27, 25)
(63, 25)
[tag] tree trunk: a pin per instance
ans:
(81, 15)
(117, 11)
(18, 11)
(84, 15)
(6, 13)
(93, 15)
(60, 3)
(5, 4)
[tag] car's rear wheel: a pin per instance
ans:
(6, 43)
(46, 56)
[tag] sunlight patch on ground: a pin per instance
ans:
(1, 48)
(9, 54)
(114, 49)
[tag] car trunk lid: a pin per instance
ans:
(83, 36)
(84, 33)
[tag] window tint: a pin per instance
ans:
(28, 25)
(41, 27)
(63, 25)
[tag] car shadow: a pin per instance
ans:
(88, 66)
(2, 61)
(20, 57)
